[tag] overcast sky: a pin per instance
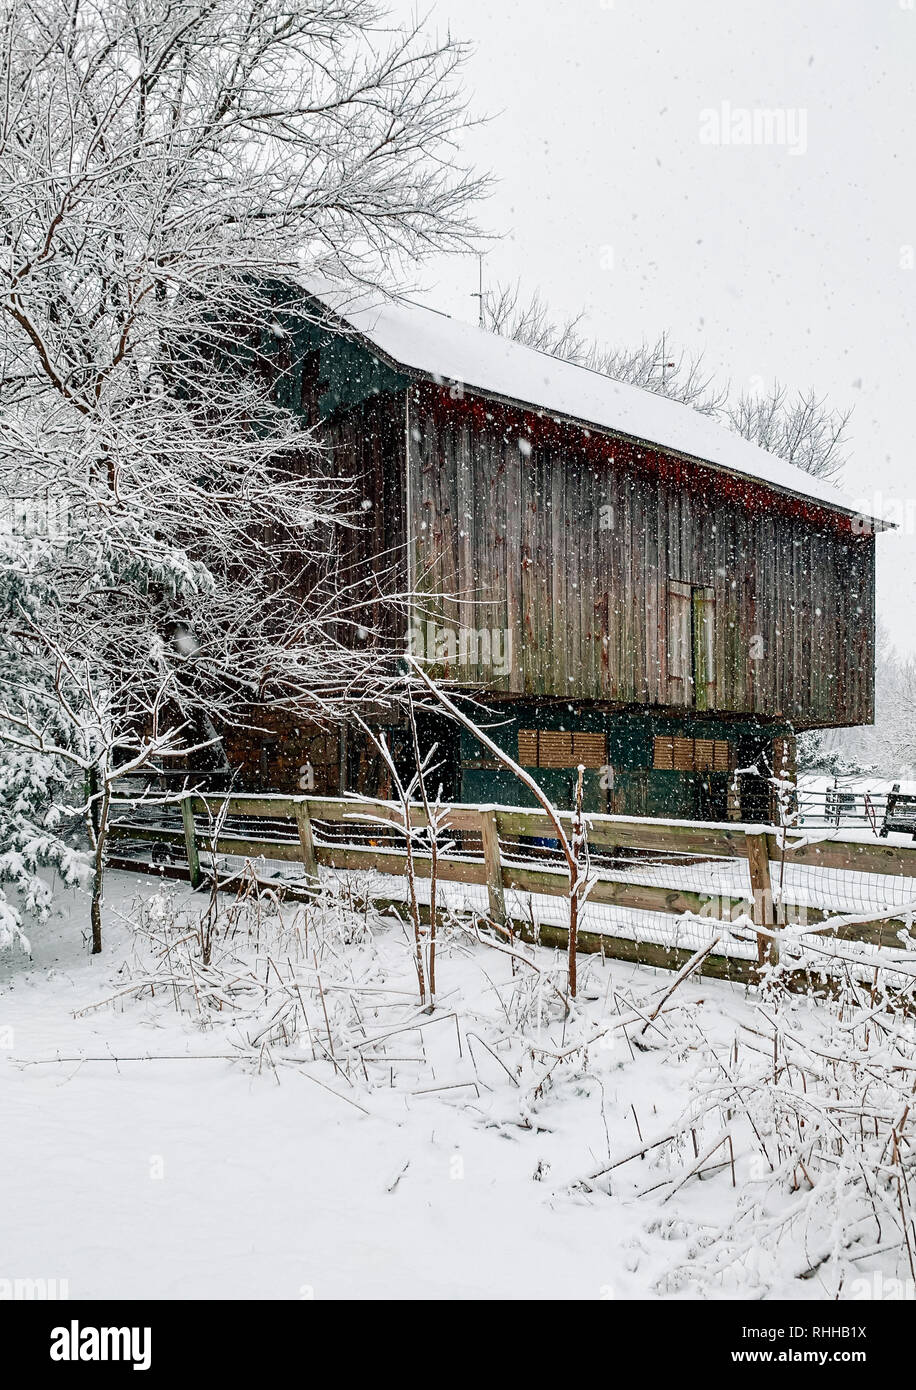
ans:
(618, 194)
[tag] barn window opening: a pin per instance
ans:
(680, 663)
(692, 755)
(691, 639)
(561, 748)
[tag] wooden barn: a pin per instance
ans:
(621, 581)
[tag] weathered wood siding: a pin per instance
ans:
(367, 449)
(569, 541)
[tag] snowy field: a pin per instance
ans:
(286, 1123)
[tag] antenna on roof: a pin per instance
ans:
(479, 293)
(665, 363)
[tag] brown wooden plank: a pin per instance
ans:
(306, 840)
(190, 842)
(612, 892)
(395, 862)
(726, 840)
(849, 855)
(492, 862)
(764, 914)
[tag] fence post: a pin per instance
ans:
(306, 839)
(190, 842)
(489, 833)
(758, 863)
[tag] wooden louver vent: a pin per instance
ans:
(561, 748)
(528, 747)
(692, 755)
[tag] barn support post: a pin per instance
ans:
(306, 839)
(489, 833)
(758, 863)
(190, 841)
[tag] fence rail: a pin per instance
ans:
(659, 873)
(838, 807)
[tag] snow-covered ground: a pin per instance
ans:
(192, 1137)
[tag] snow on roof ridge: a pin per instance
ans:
(487, 363)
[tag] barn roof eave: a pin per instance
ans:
(868, 524)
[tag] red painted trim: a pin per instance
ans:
(593, 445)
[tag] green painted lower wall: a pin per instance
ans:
(628, 785)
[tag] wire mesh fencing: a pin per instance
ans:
(815, 898)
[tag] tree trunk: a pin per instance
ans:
(98, 876)
(577, 840)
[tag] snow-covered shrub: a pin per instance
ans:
(816, 1102)
(40, 790)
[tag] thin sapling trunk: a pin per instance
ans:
(98, 867)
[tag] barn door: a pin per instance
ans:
(691, 644)
(704, 649)
(680, 652)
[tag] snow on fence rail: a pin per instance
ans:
(660, 890)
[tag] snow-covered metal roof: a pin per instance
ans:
(429, 343)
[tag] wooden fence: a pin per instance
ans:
(208, 820)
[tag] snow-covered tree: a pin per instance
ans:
(818, 753)
(890, 744)
(655, 366)
(887, 748)
(800, 428)
(163, 167)
(38, 788)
